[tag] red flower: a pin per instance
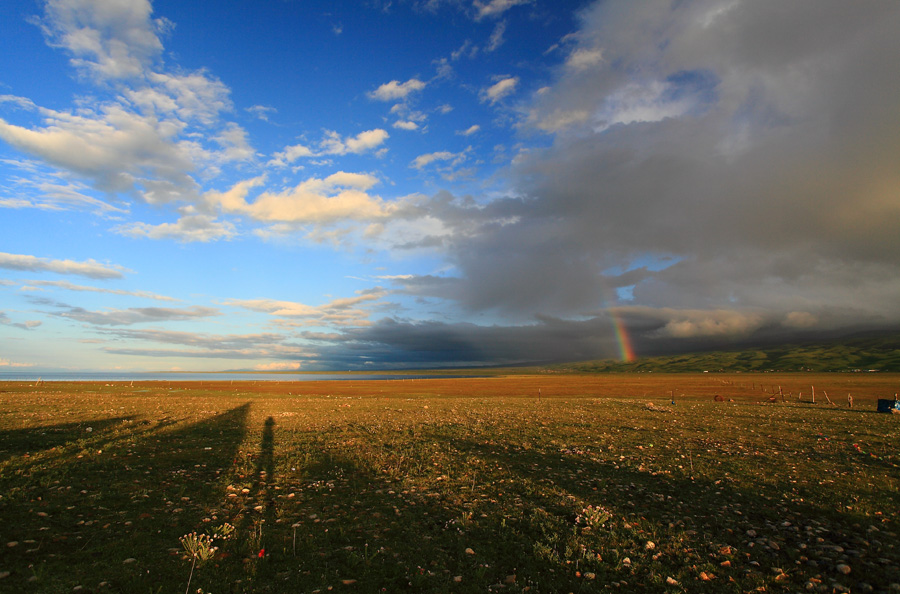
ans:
(262, 553)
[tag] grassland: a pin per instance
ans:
(550, 483)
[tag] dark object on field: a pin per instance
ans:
(889, 406)
(718, 398)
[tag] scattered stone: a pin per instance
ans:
(12, 543)
(751, 533)
(650, 545)
(510, 579)
(843, 568)
(457, 578)
(671, 581)
(469, 551)
(129, 561)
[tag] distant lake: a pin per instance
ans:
(103, 376)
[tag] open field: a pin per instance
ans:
(550, 483)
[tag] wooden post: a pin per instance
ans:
(827, 398)
(813, 394)
(849, 401)
(780, 391)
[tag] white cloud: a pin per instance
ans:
(423, 160)
(187, 229)
(115, 148)
(365, 141)
(49, 193)
(110, 39)
(344, 311)
(71, 287)
(261, 111)
(290, 154)
(8, 363)
(22, 102)
(195, 96)
(339, 197)
(500, 89)
(496, 37)
(406, 125)
(495, 8)
(470, 130)
(88, 268)
(394, 90)
(333, 144)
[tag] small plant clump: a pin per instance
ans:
(593, 516)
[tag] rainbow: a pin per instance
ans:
(625, 348)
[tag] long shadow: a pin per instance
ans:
(257, 516)
(116, 515)
(14, 442)
(697, 512)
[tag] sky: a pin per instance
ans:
(327, 185)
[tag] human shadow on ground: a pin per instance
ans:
(115, 516)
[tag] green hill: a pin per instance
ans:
(863, 353)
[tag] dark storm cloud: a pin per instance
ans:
(417, 344)
(752, 145)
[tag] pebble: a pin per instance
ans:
(129, 561)
(12, 543)
(650, 545)
(671, 581)
(843, 568)
(469, 551)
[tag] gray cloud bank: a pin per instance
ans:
(739, 157)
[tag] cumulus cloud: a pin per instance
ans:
(88, 268)
(188, 229)
(332, 144)
(406, 125)
(340, 197)
(394, 90)
(109, 40)
(500, 89)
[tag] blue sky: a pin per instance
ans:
(353, 185)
